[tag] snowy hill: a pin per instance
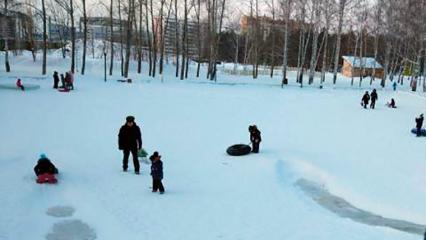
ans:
(369, 158)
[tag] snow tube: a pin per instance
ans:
(14, 87)
(238, 150)
(422, 132)
(63, 90)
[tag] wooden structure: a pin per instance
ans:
(366, 66)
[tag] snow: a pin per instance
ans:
(367, 157)
(366, 62)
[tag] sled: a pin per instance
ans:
(422, 132)
(63, 90)
(46, 178)
(143, 155)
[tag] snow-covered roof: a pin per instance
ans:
(366, 62)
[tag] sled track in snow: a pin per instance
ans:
(344, 209)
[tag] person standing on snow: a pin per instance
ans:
(365, 99)
(374, 98)
(419, 124)
(130, 141)
(394, 85)
(255, 138)
(157, 172)
(19, 84)
(55, 79)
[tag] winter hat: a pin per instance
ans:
(154, 156)
(43, 155)
(130, 119)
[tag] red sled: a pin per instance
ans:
(46, 178)
(64, 90)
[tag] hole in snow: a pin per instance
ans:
(60, 211)
(71, 230)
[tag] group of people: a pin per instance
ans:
(367, 97)
(374, 97)
(130, 141)
(67, 81)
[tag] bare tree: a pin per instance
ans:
(287, 12)
(83, 65)
(342, 6)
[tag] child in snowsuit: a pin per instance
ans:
(45, 170)
(157, 172)
(391, 104)
(419, 124)
(365, 99)
(19, 84)
(62, 81)
(374, 97)
(55, 79)
(255, 138)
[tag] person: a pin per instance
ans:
(391, 104)
(365, 99)
(374, 97)
(255, 138)
(55, 79)
(157, 172)
(63, 81)
(394, 85)
(44, 165)
(130, 141)
(419, 124)
(19, 84)
(70, 80)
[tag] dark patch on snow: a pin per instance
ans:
(71, 230)
(345, 209)
(60, 211)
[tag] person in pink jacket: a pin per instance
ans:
(19, 84)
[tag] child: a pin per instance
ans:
(157, 173)
(391, 104)
(19, 84)
(45, 170)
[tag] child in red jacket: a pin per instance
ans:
(19, 84)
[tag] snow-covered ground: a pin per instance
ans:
(367, 157)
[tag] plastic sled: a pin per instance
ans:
(46, 178)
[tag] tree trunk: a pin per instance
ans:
(128, 37)
(148, 39)
(83, 65)
(44, 65)
(286, 37)
(154, 41)
(111, 65)
(342, 5)
(72, 37)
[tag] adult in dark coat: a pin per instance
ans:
(44, 165)
(419, 124)
(55, 79)
(374, 98)
(365, 99)
(157, 173)
(255, 138)
(130, 141)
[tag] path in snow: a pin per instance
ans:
(345, 209)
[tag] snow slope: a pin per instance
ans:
(367, 157)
